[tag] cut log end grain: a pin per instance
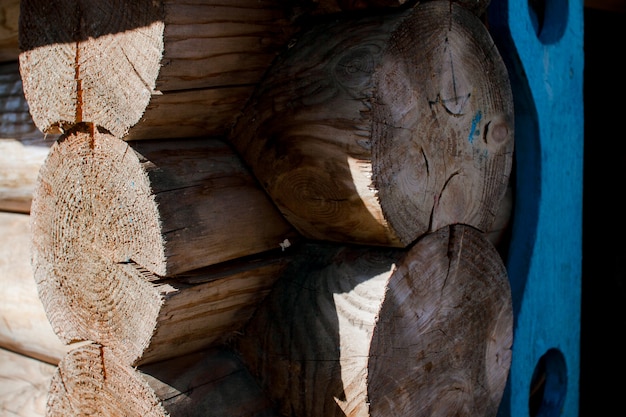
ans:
(168, 206)
(445, 151)
(89, 62)
(380, 129)
(143, 319)
(92, 381)
(372, 332)
(93, 200)
(112, 64)
(111, 220)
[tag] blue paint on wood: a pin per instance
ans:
(543, 51)
(475, 120)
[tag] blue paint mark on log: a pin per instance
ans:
(543, 51)
(477, 118)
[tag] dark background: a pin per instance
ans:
(603, 354)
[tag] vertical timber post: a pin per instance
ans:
(542, 44)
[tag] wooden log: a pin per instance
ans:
(20, 162)
(15, 120)
(111, 219)
(144, 319)
(325, 7)
(357, 331)
(378, 130)
(170, 206)
(499, 234)
(24, 384)
(305, 8)
(92, 381)
(119, 65)
(9, 18)
(24, 326)
(23, 148)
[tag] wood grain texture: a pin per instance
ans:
(144, 319)
(24, 326)
(24, 383)
(23, 147)
(307, 8)
(111, 219)
(92, 381)
(380, 129)
(362, 331)
(170, 206)
(105, 62)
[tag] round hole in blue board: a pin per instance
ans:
(548, 385)
(549, 18)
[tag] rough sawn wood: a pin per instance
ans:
(358, 331)
(380, 129)
(146, 69)
(169, 206)
(91, 381)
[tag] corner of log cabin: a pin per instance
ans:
(244, 217)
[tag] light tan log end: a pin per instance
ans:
(92, 381)
(132, 68)
(170, 206)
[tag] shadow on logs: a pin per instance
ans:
(348, 331)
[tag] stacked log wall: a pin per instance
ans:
(206, 258)
(29, 348)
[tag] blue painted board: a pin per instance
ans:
(542, 46)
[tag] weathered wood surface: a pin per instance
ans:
(305, 8)
(170, 206)
(144, 319)
(358, 331)
(92, 381)
(380, 129)
(24, 326)
(23, 147)
(24, 384)
(20, 162)
(119, 65)
(9, 18)
(112, 218)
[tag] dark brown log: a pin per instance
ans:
(119, 65)
(92, 381)
(380, 129)
(9, 17)
(24, 326)
(478, 7)
(357, 331)
(325, 7)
